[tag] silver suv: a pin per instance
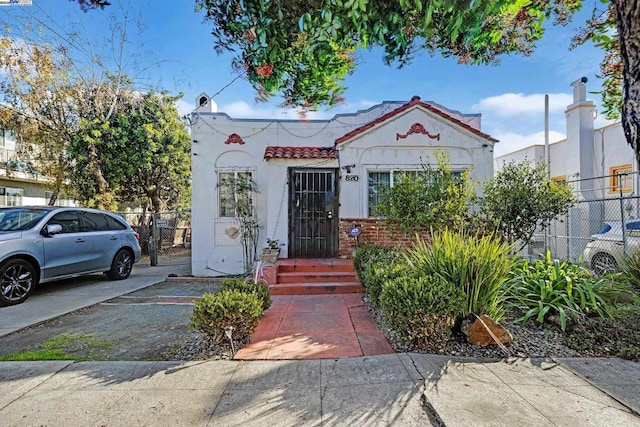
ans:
(42, 244)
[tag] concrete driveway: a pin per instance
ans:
(52, 300)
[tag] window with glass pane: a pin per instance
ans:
(233, 189)
(378, 183)
(382, 181)
(14, 196)
(620, 178)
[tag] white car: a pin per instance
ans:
(605, 250)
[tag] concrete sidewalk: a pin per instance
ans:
(399, 389)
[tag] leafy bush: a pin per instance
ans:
(260, 289)
(617, 336)
(421, 308)
(547, 287)
(367, 254)
(521, 198)
(375, 265)
(478, 265)
(213, 312)
(434, 198)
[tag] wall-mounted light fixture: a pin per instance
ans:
(348, 167)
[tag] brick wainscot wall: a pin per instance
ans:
(373, 231)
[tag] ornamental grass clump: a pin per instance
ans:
(550, 287)
(478, 265)
(630, 271)
(230, 307)
(421, 309)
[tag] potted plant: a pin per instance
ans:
(271, 252)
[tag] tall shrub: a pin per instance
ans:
(421, 308)
(433, 198)
(479, 265)
(521, 198)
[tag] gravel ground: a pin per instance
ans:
(530, 340)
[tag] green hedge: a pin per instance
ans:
(421, 309)
(230, 307)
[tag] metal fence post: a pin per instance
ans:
(622, 218)
(153, 240)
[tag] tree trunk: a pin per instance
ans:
(628, 23)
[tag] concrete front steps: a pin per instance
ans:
(314, 276)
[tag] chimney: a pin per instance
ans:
(204, 104)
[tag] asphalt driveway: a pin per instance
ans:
(139, 318)
(141, 325)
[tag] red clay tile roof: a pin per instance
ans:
(414, 101)
(274, 152)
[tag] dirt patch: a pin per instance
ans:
(149, 324)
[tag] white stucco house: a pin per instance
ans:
(317, 180)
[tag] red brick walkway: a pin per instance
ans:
(324, 326)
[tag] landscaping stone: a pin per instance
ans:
(485, 331)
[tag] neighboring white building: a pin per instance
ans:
(317, 180)
(20, 184)
(586, 153)
(597, 163)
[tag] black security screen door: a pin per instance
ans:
(313, 213)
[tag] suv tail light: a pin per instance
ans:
(137, 235)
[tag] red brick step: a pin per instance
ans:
(314, 276)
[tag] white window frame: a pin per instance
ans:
(235, 172)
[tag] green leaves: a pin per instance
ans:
(428, 199)
(521, 197)
(307, 40)
(479, 265)
(141, 152)
(550, 287)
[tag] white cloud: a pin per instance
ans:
(184, 107)
(510, 142)
(518, 104)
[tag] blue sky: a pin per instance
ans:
(170, 47)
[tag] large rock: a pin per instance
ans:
(484, 331)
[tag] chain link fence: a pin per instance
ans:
(603, 204)
(171, 229)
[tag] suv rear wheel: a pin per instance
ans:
(17, 281)
(602, 263)
(121, 265)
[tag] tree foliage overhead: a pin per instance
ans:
(303, 49)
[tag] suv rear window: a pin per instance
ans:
(94, 222)
(115, 224)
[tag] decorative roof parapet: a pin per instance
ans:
(415, 101)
